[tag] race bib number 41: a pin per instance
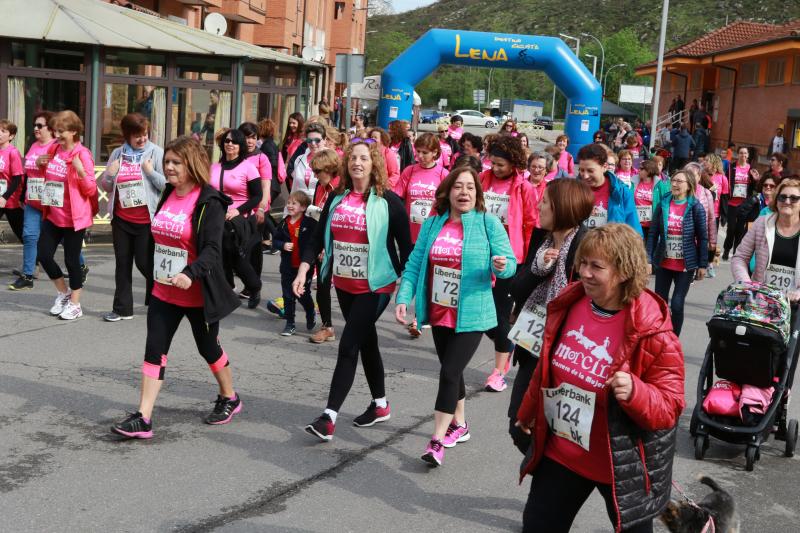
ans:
(350, 260)
(446, 284)
(168, 262)
(528, 330)
(569, 411)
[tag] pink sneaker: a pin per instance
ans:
(496, 382)
(455, 434)
(434, 453)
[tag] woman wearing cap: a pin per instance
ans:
(134, 179)
(508, 195)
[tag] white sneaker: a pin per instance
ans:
(71, 311)
(60, 303)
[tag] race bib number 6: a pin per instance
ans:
(569, 411)
(350, 260)
(420, 209)
(528, 330)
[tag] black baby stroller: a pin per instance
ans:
(754, 341)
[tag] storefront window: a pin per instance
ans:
(27, 96)
(119, 100)
(132, 63)
(284, 76)
(256, 74)
(46, 55)
(203, 68)
(200, 113)
(255, 106)
(282, 106)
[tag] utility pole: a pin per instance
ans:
(660, 65)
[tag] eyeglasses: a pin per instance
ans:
(228, 141)
(768, 186)
(366, 140)
(38, 126)
(673, 180)
(313, 140)
(788, 198)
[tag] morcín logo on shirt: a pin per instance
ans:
(577, 350)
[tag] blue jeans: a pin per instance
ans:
(31, 228)
(664, 279)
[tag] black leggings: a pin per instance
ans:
(454, 351)
(527, 364)
(503, 303)
(557, 494)
(734, 234)
(233, 261)
(49, 239)
(361, 312)
(163, 319)
(324, 299)
(131, 245)
(15, 219)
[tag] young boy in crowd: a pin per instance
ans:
(290, 236)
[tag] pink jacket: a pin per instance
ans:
(522, 212)
(706, 199)
(80, 190)
(392, 168)
(759, 240)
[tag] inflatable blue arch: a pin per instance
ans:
(496, 50)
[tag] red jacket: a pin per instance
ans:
(523, 214)
(650, 352)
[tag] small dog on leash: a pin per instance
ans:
(692, 517)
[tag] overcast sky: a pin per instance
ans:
(407, 5)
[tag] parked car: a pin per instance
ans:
(547, 122)
(429, 116)
(476, 118)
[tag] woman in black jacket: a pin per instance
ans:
(187, 241)
(548, 268)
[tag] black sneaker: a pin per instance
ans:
(21, 274)
(254, 299)
(373, 415)
(726, 255)
(224, 409)
(134, 427)
(22, 283)
(114, 317)
(311, 321)
(322, 428)
(288, 331)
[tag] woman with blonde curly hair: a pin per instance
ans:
(364, 233)
(606, 394)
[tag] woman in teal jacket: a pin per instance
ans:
(450, 271)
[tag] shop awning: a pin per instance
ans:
(94, 22)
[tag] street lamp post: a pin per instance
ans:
(594, 64)
(607, 73)
(602, 52)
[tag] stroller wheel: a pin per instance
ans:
(791, 438)
(700, 447)
(750, 457)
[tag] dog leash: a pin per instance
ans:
(709, 527)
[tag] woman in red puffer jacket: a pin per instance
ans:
(603, 404)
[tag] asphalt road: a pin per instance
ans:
(63, 383)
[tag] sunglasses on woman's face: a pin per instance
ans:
(768, 186)
(367, 140)
(788, 198)
(38, 125)
(229, 141)
(313, 140)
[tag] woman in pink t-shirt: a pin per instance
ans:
(237, 177)
(187, 267)
(720, 185)
(11, 178)
(69, 187)
(643, 194)
(293, 136)
(565, 159)
(364, 234)
(625, 171)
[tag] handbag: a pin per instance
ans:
(240, 232)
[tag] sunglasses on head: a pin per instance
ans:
(367, 140)
(313, 140)
(788, 198)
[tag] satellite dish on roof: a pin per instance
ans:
(308, 53)
(215, 24)
(319, 53)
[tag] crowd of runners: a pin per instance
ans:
(547, 254)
